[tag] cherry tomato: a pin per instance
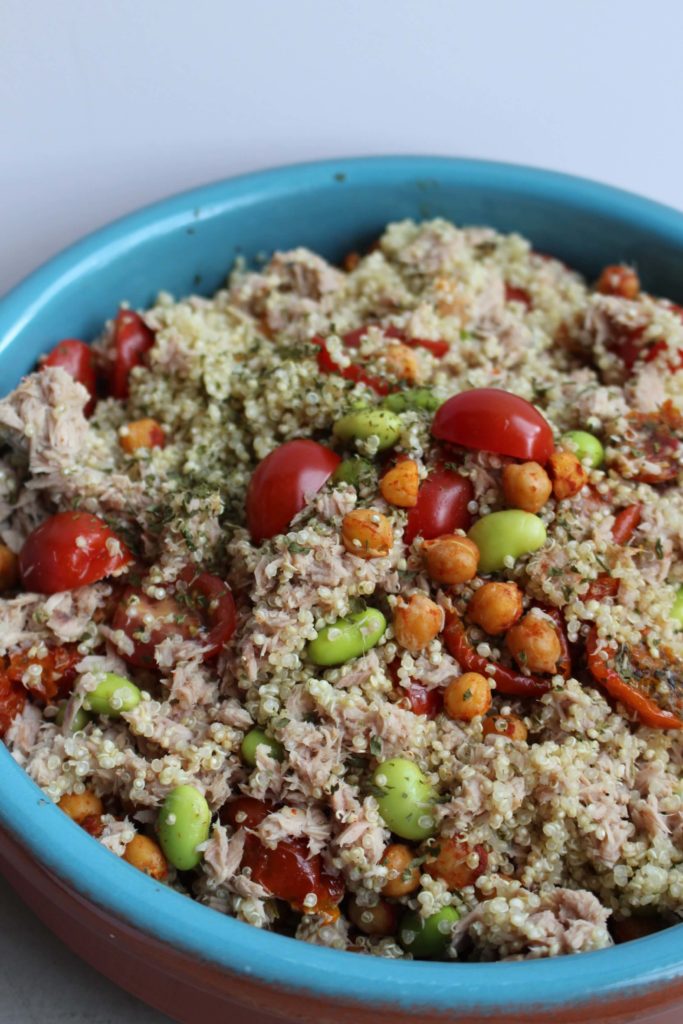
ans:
(202, 608)
(12, 701)
(282, 484)
(69, 550)
(421, 700)
(441, 506)
(488, 419)
(57, 671)
(653, 689)
(244, 812)
(132, 338)
(75, 357)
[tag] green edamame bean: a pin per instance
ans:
(427, 939)
(81, 718)
(406, 800)
(347, 638)
(183, 823)
(586, 446)
(359, 426)
(420, 399)
(355, 471)
(112, 696)
(510, 533)
(258, 738)
(677, 608)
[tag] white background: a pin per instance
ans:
(107, 105)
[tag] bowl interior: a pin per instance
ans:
(187, 244)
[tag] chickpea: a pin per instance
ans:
(145, 433)
(145, 855)
(457, 864)
(403, 875)
(81, 806)
(568, 475)
(381, 919)
(619, 280)
(399, 486)
(366, 533)
(526, 486)
(467, 697)
(417, 621)
(495, 607)
(451, 558)
(9, 569)
(402, 362)
(510, 726)
(534, 644)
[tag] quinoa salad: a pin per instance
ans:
(349, 601)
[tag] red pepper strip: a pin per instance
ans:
(602, 586)
(506, 679)
(625, 523)
(326, 364)
(437, 348)
(648, 711)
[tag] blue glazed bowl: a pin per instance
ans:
(188, 243)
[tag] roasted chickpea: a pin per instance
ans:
(451, 559)
(417, 621)
(402, 362)
(467, 697)
(366, 533)
(456, 863)
(534, 644)
(568, 474)
(145, 855)
(510, 726)
(403, 875)
(399, 486)
(495, 607)
(619, 280)
(526, 486)
(81, 806)
(141, 434)
(381, 919)
(9, 569)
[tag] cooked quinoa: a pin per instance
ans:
(555, 820)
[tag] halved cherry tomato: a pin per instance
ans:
(132, 338)
(75, 357)
(69, 550)
(515, 294)
(506, 679)
(488, 419)
(282, 484)
(57, 671)
(288, 872)
(653, 689)
(12, 701)
(201, 608)
(441, 508)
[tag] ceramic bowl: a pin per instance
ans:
(191, 962)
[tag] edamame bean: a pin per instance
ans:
(427, 939)
(507, 534)
(354, 471)
(677, 608)
(258, 738)
(183, 824)
(81, 718)
(365, 423)
(347, 638)
(406, 799)
(112, 696)
(586, 447)
(420, 399)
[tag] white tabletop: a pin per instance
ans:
(106, 107)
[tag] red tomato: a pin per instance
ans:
(75, 357)
(491, 420)
(57, 671)
(202, 609)
(69, 550)
(441, 506)
(12, 700)
(244, 812)
(423, 701)
(282, 484)
(132, 338)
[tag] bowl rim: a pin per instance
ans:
(205, 934)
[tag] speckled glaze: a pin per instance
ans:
(192, 963)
